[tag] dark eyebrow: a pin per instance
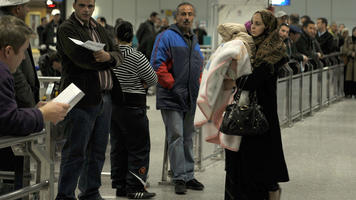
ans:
(84, 5)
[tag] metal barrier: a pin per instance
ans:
(43, 183)
(309, 91)
(298, 95)
(44, 180)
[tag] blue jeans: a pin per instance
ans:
(179, 134)
(83, 154)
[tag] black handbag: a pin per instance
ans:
(245, 120)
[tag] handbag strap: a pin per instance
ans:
(239, 87)
(241, 84)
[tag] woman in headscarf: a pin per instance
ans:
(349, 50)
(254, 172)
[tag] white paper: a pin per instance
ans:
(71, 95)
(93, 46)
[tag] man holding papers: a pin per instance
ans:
(14, 40)
(87, 124)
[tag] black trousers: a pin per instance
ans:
(238, 186)
(130, 147)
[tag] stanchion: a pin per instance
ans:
(164, 178)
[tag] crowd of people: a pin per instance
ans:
(115, 81)
(313, 41)
(310, 41)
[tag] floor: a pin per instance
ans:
(320, 154)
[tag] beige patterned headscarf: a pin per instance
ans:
(233, 31)
(270, 46)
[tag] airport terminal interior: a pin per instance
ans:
(315, 93)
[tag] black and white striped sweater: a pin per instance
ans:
(134, 70)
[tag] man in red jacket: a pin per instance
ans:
(178, 62)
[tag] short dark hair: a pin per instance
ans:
(306, 23)
(306, 17)
(184, 4)
(13, 32)
(294, 19)
(54, 57)
(102, 19)
(43, 18)
(323, 20)
(153, 14)
(124, 31)
(283, 24)
(118, 21)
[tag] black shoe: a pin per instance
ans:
(121, 192)
(180, 187)
(194, 184)
(142, 194)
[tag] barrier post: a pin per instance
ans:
(301, 86)
(165, 163)
(289, 95)
(311, 91)
(199, 149)
(320, 87)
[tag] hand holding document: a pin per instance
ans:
(93, 46)
(71, 95)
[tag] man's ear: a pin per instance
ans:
(7, 51)
(17, 10)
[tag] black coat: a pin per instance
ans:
(260, 159)
(292, 51)
(308, 46)
(49, 34)
(327, 43)
(146, 35)
(40, 30)
(27, 85)
(79, 65)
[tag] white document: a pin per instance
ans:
(93, 46)
(71, 95)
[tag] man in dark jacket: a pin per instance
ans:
(324, 38)
(109, 29)
(200, 33)
(290, 34)
(26, 86)
(307, 43)
(178, 62)
(49, 34)
(146, 35)
(87, 124)
(40, 30)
